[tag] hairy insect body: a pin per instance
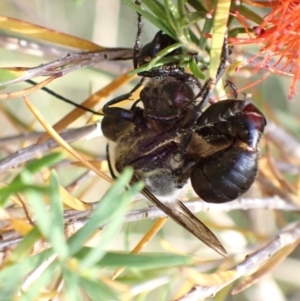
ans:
(162, 171)
(165, 169)
(218, 153)
(170, 140)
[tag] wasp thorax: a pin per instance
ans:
(167, 93)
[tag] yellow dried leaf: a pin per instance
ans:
(20, 226)
(184, 288)
(96, 163)
(218, 32)
(143, 242)
(47, 296)
(115, 285)
(72, 202)
(7, 74)
(61, 141)
(218, 278)
(27, 91)
(42, 33)
(167, 246)
(264, 169)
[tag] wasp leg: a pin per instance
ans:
(121, 113)
(233, 88)
(163, 72)
(137, 46)
(206, 90)
(116, 119)
(236, 119)
(224, 58)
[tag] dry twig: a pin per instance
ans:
(287, 237)
(32, 151)
(70, 63)
(76, 219)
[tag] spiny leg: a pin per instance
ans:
(121, 113)
(137, 45)
(208, 86)
(188, 125)
(224, 58)
(233, 88)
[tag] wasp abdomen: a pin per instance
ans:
(225, 175)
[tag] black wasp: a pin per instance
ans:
(170, 140)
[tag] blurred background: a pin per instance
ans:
(113, 24)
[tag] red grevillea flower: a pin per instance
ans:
(279, 38)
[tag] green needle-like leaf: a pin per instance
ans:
(97, 290)
(57, 236)
(50, 220)
(112, 227)
(105, 211)
(33, 167)
(141, 261)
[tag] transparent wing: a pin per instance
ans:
(184, 217)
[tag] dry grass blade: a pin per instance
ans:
(219, 31)
(42, 33)
(218, 278)
(278, 175)
(143, 242)
(59, 140)
(27, 91)
(71, 201)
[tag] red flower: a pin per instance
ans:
(279, 38)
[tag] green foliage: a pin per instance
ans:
(78, 265)
(22, 182)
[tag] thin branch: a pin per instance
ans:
(36, 273)
(32, 136)
(71, 62)
(279, 136)
(76, 219)
(34, 150)
(27, 91)
(40, 49)
(71, 216)
(287, 237)
(9, 242)
(149, 285)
